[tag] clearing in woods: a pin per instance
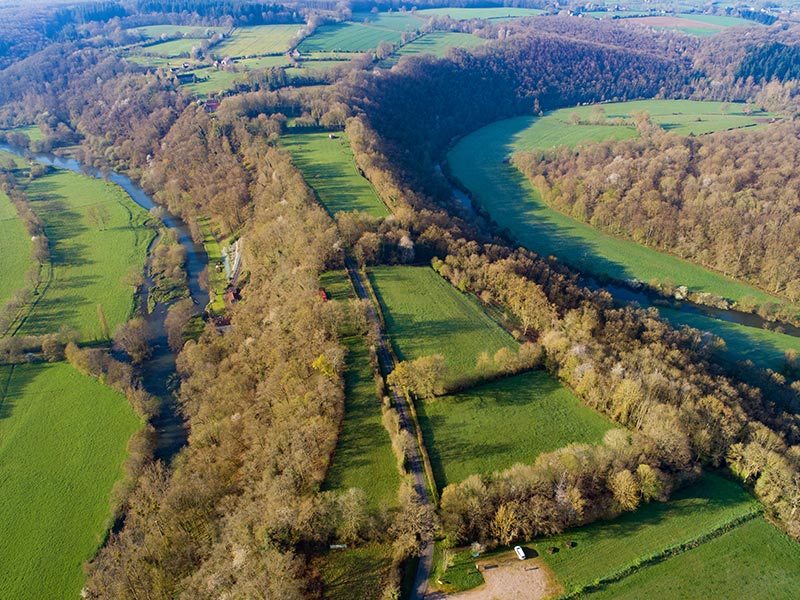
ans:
(63, 438)
(328, 166)
(425, 315)
(470, 432)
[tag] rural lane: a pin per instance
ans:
(414, 458)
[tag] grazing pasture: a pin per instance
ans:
(364, 457)
(173, 48)
(606, 547)
(328, 166)
(63, 440)
(257, 40)
(395, 21)
(347, 37)
(471, 432)
(15, 251)
(426, 315)
(754, 560)
(355, 573)
(212, 81)
(85, 218)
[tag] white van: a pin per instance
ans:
(520, 552)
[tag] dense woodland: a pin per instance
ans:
(727, 201)
(241, 510)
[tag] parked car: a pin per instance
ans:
(520, 552)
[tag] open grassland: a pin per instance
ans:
(257, 40)
(96, 235)
(62, 443)
(364, 457)
(396, 21)
(348, 37)
(493, 426)
(437, 43)
(337, 285)
(463, 14)
(478, 162)
(329, 168)
(355, 573)
(754, 561)
(15, 250)
(212, 81)
(308, 68)
(425, 315)
(173, 48)
(155, 32)
(604, 548)
(263, 62)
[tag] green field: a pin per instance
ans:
(355, 573)
(155, 32)
(263, 62)
(463, 14)
(437, 43)
(217, 281)
(257, 40)
(469, 432)
(755, 560)
(478, 163)
(348, 37)
(397, 21)
(86, 273)
(328, 166)
(62, 443)
(213, 81)
(32, 131)
(426, 315)
(308, 68)
(364, 457)
(173, 48)
(15, 250)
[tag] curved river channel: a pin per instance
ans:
(158, 372)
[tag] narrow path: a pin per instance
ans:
(414, 459)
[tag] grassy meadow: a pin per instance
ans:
(469, 432)
(217, 281)
(436, 43)
(355, 573)
(478, 163)
(606, 547)
(87, 276)
(155, 32)
(754, 560)
(212, 81)
(364, 457)
(329, 168)
(257, 40)
(173, 48)
(396, 21)
(15, 250)
(426, 315)
(348, 37)
(63, 439)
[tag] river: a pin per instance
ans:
(158, 372)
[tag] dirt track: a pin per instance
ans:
(508, 578)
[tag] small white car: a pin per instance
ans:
(520, 552)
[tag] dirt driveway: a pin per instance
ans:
(508, 578)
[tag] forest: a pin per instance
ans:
(243, 509)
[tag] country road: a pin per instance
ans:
(414, 459)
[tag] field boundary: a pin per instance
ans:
(661, 555)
